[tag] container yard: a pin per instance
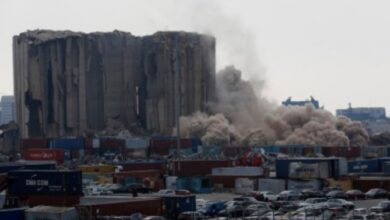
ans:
(138, 120)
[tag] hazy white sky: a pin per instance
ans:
(337, 51)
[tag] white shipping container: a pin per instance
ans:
(244, 185)
(300, 185)
(272, 185)
(96, 143)
(51, 213)
(237, 171)
(170, 182)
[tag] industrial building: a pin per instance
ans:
(374, 119)
(7, 109)
(311, 101)
(67, 83)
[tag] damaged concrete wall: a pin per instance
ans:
(67, 83)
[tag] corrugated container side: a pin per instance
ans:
(44, 154)
(34, 143)
(300, 185)
(11, 166)
(151, 178)
(386, 167)
(345, 184)
(227, 181)
(45, 182)
(363, 166)
(174, 205)
(368, 184)
(60, 201)
(114, 143)
(233, 171)
(12, 214)
(187, 168)
(100, 168)
(137, 143)
(160, 165)
(67, 143)
(353, 152)
(272, 185)
(149, 206)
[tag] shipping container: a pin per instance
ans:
(386, 167)
(363, 166)
(273, 185)
(195, 184)
(51, 213)
(299, 185)
(311, 167)
(227, 182)
(29, 143)
(67, 143)
(174, 205)
(381, 162)
(345, 184)
(165, 145)
(45, 182)
(136, 153)
(12, 214)
(150, 178)
(100, 178)
(137, 143)
(44, 154)
(233, 171)
(367, 183)
(92, 207)
(142, 165)
(187, 168)
(374, 151)
(244, 185)
(52, 200)
(235, 151)
(98, 168)
(210, 151)
(171, 182)
(36, 165)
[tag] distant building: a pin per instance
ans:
(373, 118)
(8, 111)
(312, 101)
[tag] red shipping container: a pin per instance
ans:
(187, 168)
(44, 154)
(62, 201)
(34, 143)
(353, 152)
(145, 206)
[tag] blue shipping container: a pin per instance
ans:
(67, 143)
(381, 161)
(363, 166)
(12, 214)
(30, 165)
(45, 182)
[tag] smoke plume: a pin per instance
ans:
(239, 117)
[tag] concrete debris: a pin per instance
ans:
(67, 82)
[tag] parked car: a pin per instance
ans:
(256, 194)
(311, 201)
(311, 193)
(376, 193)
(246, 200)
(182, 192)
(262, 206)
(284, 206)
(191, 216)
(355, 194)
(383, 206)
(232, 209)
(166, 192)
(290, 195)
(212, 208)
(336, 194)
(340, 202)
(269, 196)
(328, 189)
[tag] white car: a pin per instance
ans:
(166, 192)
(269, 196)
